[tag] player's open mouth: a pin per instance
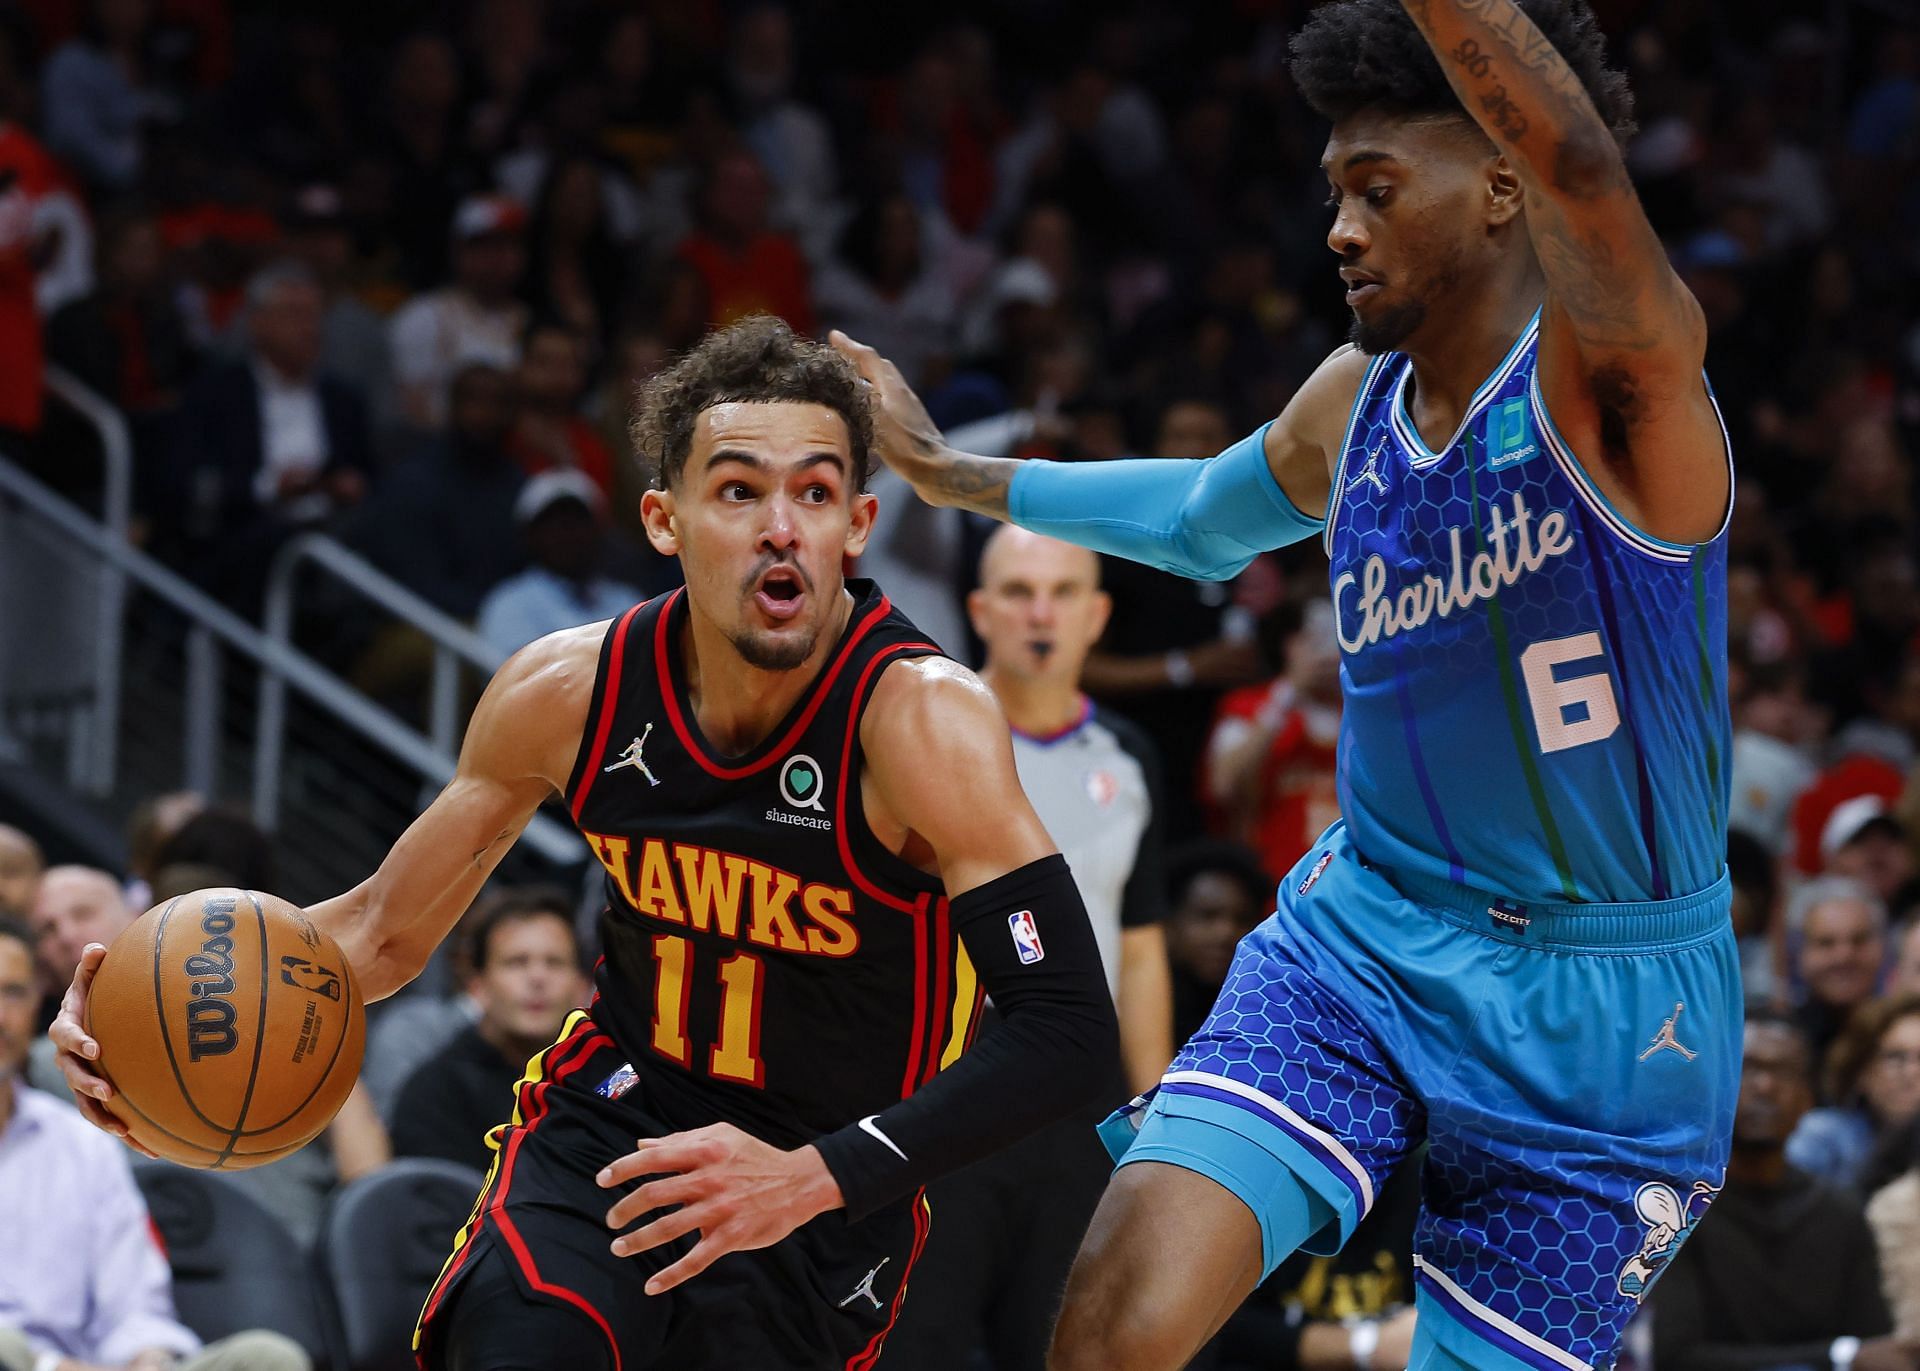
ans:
(780, 593)
(1041, 648)
(1360, 286)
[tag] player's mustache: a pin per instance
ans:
(766, 564)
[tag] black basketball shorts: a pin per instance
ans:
(547, 1292)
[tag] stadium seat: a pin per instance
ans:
(382, 1243)
(235, 1266)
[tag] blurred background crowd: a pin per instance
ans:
(393, 271)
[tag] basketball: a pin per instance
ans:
(229, 1026)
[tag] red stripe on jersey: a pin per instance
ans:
(917, 1039)
(942, 947)
(496, 1182)
(887, 898)
(609, 705)
(498, 1209)
(864, 1359)
(677, 717)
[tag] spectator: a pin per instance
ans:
(549, 432)
(1175, 645)
(526, 978)
(1893, 1211)
(20, 866)
(1775, 727)
(992, 1278)
(1785, 1273)
(790, 140)
(576, 269)
(223, 839)
(1864, 842)
(881, 288)
(561, 516)
(1753, 871)
(746, 266)
(1842, 953)
(83, 1281)
(74, 906)
(1271, 758)
(98, 97)
(419, 142)
(1873, 1078)
(1217, 893)
(1904, 979)
(353, 338)
(271, 444)
(29, 182)
(476, 319)
(126, 339)
(150, 827)
(443, 524)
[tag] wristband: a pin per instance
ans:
(1179, 669)
(1843, 1351)
(1363, 1340)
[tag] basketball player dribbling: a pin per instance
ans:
(1523, 485)
(819, 860)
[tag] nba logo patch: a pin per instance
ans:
(618, 1084)
(1509, 434)
(1326, 859)
(1026, 937)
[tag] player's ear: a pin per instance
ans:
(977, 608)
(658, 518)
(860, 528)
(1102, 611)
(1504, 192)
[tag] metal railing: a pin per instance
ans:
(211, 627)
(453, 643)
(90, 758)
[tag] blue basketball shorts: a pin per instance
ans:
(1573, 1069)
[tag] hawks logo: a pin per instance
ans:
(1668, 1219)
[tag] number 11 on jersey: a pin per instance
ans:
(736, 1049)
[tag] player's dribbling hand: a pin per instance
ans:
(739, 1192)
(77, 1051)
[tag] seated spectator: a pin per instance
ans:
(1753, 871)
(746, 267)
(223, 841)
(98, 97)
(1270, 761)
(1864, 842)
(1904, 979)
(270, 444)
(1842, 936)
(442, 524)
(549, 431)
(152, 824)
(526, 978)
(475, 319)
(561, 516)
(353, 338)
(1217, 893)
(74, 906)
(21, 863)
(1784, 1272)
(880, 288)
(126, 338)
(576, 269)
(1893, 1211)
(1873, 1078)
(83, 1281)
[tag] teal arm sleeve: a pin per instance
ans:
(1206, 519)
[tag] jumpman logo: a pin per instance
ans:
(1664, 1039)
(865, 1288)
(1370, 473)
(631, 757)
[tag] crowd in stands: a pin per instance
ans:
(345, 270)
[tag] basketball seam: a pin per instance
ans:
(259, 1036)
(338, 1044)
(166, 1038)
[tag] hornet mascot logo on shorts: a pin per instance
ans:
(1668, 1220)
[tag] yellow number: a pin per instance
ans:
(670, 998)
(736, 1055)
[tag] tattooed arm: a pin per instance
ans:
(1622, 339)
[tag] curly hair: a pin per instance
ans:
(757, 359)
(1359, 54)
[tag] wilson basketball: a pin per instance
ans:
(229, 1026)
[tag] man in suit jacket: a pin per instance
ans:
(268, 445)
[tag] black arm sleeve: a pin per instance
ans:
(1051, 1054)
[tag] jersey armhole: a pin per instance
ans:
(606, 703)
(1629, 535)
(870, 863)
(1360, 398)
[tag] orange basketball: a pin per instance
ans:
(229, 1026)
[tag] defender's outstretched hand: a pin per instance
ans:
(739, 1192)
(912, 445)
(78, 1051)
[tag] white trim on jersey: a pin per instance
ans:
(1420, 456)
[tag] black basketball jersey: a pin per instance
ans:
(767, 962)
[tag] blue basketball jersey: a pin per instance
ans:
(1535, 690)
